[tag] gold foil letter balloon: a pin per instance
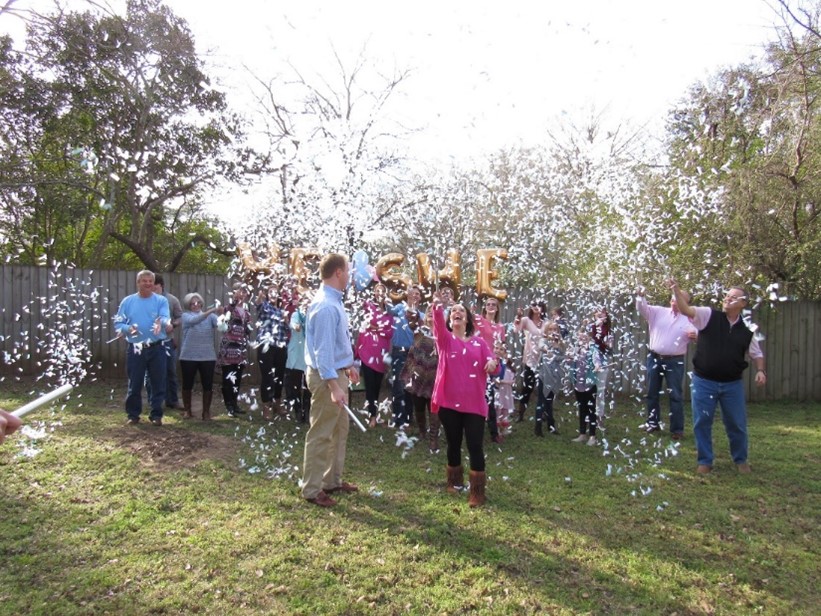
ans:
(485, 274)
(451, 274)
(387, 269)
(425, 275)
(256, 270)
(299, 261)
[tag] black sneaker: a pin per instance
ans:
(133, 421)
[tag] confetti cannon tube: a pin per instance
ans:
(42, 400)
(355, 418)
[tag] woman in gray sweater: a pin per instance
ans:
(197, 352)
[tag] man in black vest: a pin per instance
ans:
(723, 342)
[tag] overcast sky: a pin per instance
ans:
(488, 73)
(485, 74)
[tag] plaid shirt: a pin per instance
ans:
(271, 327)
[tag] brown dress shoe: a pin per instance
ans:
(322, 499)
(342, 487)
(703, 469)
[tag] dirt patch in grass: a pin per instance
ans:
(166, 448)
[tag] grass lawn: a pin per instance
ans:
(186, 519)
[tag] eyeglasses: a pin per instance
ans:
(196, 303)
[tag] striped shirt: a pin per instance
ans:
(198, 337)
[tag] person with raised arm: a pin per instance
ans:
(372, 346)
(458, 397)
(724, 339)
(669, 336)
(197, 355)
(144, 321)
(489, 327)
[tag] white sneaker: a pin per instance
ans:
(579, 439)
(592, 441)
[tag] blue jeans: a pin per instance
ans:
(706, 394)
(671, 370)
(401, 404)
(171, 386)
(151, 361)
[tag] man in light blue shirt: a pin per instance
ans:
(144, 320)
(329, 363)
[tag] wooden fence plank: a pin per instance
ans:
(792, 330)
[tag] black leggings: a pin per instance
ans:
(296, 390)
(587, 411)
(271, 371)
(189, 371)
(373, 383)
(473, 427)
(421, 410)
(492, 423)
(528, 384)
(231, 379)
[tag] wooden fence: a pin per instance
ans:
(44, 311)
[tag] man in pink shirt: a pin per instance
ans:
(669, 336)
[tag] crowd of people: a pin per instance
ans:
(451, 367)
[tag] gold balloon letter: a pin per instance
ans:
(387, 269)
(485, 274)
(299, 259)
(257, 270)
(424, 274)
(451, 274)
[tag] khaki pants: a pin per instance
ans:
(327, 438)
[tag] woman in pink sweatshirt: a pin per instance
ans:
(458, 398)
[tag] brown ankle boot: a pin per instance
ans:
(186, 404)
(206, 405)
(477, 488)
(456, 479)
(434, 433)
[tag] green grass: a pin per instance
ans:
(142, 520)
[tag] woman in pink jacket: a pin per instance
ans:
(465, 361)
(372, 346)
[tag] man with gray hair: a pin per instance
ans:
(144, 320)
(723, 341)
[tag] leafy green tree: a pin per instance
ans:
(113, 135)
(744, 155)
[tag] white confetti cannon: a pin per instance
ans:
(42, 400)
(355, 418)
